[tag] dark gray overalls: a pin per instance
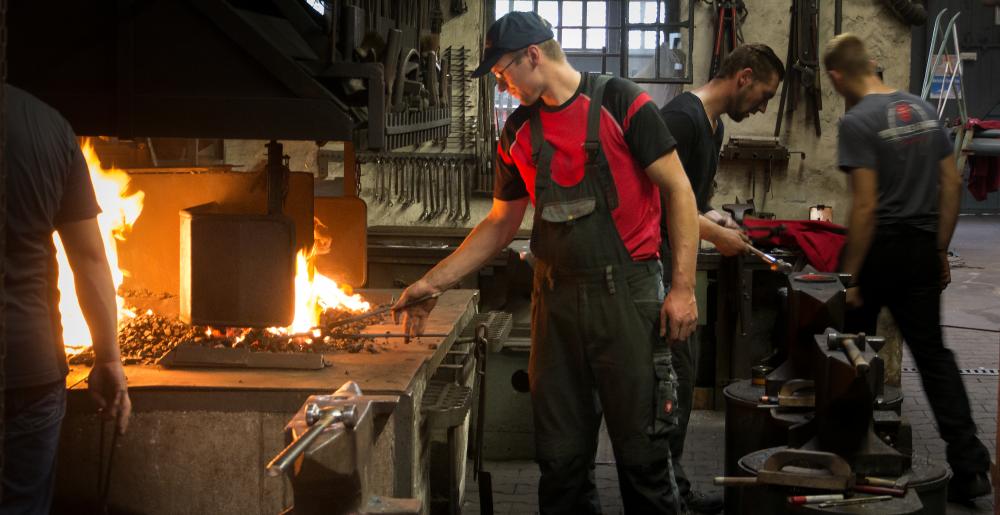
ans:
(595, 341)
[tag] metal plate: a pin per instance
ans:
(345, 222)
(187, 356)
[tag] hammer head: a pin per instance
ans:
(833, 339)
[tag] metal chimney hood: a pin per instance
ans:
(242, 69)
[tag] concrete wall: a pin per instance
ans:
(815, 179)
(793, 188)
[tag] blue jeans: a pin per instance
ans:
(32, 419)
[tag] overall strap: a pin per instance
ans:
(592, 145)
(541, 153)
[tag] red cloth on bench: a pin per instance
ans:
(984, 171)
(821, 242)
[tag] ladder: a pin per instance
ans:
(951, 80)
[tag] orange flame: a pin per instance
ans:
(314, 293)
(119, 210)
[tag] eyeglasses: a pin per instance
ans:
(501, 82)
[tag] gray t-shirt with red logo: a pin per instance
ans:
(899, 136)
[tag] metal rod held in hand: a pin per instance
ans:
(383, 309)
(776, 264)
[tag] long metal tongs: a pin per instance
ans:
(384, 309)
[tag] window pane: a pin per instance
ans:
(503, 7)
(597, 14)
(596, 38)
(663, 12)
(634, 12)
(649, 12)
(634, 39)
(673, 54)
(641, 12)
(550, 11)
(572, 38)
(572, 15)
(641, 55)
(649, 40)
(523, 5)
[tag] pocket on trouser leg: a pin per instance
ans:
(665, 410)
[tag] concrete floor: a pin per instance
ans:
(971, 314)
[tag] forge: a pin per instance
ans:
(211, 267)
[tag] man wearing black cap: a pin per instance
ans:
(589, 152)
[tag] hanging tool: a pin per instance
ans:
(799, 468)
(855, 501)
(802, 63)
(729, 15)
(852, 345)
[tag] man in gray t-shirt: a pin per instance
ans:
(905, 193)
(897, 135)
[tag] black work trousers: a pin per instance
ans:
(596, 347)
(902, 271)
(685, 354)
(685, 360)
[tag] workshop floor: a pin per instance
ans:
(972, 320)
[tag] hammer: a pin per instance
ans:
(846, 342)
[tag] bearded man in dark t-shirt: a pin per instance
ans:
(747, 79)
(905, 194)
(49, 190)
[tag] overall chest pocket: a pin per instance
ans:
(568, 210)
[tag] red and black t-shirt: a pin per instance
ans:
(632, 135)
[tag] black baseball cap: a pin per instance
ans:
(514, 31)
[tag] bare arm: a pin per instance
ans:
(484, 241)
(948, 206)
(96, 294)
(861, 221)
(728, 240)
(680, 308)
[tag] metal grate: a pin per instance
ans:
(499, 324)
(445, 404)
(980, 371)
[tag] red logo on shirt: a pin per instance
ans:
(904, 113)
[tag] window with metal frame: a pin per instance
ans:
(645, 41)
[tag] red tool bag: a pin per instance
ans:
(821, 242)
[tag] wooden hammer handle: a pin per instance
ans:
(735, 481)
(854, 355)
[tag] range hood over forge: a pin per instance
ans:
(241, 69)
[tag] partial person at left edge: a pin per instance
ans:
(49, 190)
